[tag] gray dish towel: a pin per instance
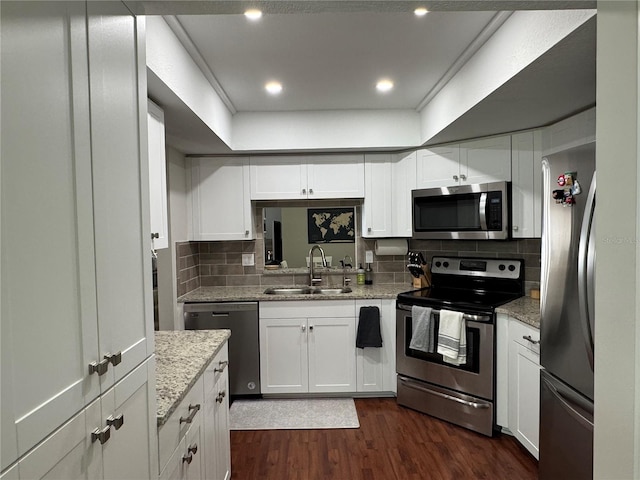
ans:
(368, 334)
(423, 335)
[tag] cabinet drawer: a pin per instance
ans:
(526, 336)
(308, 309)
(172, 432)
(217, 367)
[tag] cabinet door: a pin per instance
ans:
(278, 178)
(438, 167)
(132, 450)
(157, 177)
(68, 453)
(48, 297)
(223, 440)
(193, 457)
(370, 367)
(403, 181)
(332, 354)
(217, 445)
(377, 209)
(283, 355)
(486, 160)
(526, 191)
(335, 176)
(120, 193)
(220, 206)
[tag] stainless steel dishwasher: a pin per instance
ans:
(244, 345)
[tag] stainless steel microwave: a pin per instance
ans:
(466, 212)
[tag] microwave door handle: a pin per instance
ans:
(482, 205)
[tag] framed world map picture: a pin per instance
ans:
(328, 225)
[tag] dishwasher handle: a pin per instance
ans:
(220, 308)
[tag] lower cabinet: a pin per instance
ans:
(194, 442)
(518, 383)
(112, 438)
(309, 347)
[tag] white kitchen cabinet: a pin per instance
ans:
(389, 179)
(309, 177)
(219, 207)
(307, 346)
(526, 187)
(79, 145)
(187, 460)
(217, 443)
(479, 161)
(157, 177)
(376, 367)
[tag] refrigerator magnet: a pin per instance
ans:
(561, 180)
(575, 188)
(558, 195)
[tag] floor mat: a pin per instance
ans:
(293, 414)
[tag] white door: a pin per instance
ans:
(121, 204)
(486, 160)
(403, 181)
(332, 354)
(49, 326)
(278, 178)
(220, 205)
(438, 167)
(377, 209)
(283, 355)
(335, 176)
(157, 177)
(130, 409)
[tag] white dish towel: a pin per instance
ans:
(422, 323)
(452, 337)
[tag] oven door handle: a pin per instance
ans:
(467, 316)
(415, 386)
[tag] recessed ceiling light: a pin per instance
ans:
(274, 88)
(384, 85)
(420, 11)
(253, 14)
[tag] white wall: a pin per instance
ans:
(617, 339)
(169, 310)
(525, 36)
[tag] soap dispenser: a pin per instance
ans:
(368, 275)
(360, 275)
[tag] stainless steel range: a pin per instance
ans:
(462, 394)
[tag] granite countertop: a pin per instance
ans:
(253, 294)
(525, 309)
(181, 357)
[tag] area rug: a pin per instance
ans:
(293, 414)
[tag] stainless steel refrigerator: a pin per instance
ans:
(567, 315)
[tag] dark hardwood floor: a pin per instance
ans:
(392, 442)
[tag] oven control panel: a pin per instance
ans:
(480, 267)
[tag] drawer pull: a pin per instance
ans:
(114, 358)
(222, 366)
(116, 422)
(193, 449)
(220, 397)
(530, 340)
(102, 435)
(193, 409)
(100, 367)
(187, 458)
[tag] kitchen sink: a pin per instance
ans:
(306, 291)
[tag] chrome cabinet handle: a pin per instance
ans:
(115, 422)
(531, 340)
(369, 229)
(187, 458)
(103, 435)
(304, 191)
(155, 235)
(114, 358)
(304, 328)
(193, 409)
(221, 395)
(455, 177)
(311, 328)
(100, 367)
(311, 191)
(246, 232)
(222, 366)
(463, 177)
(515, 228)
(193, 448)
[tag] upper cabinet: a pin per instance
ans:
(389, 179)
(76, 176)
(219, 206)
(157, 177)
(311, 177)
(480, 161)
(526, 189)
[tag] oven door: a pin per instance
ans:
(473, 378)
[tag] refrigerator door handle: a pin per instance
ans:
(544, 274)
(586, 265)
(568, 405)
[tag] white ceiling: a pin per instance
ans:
(331, 61)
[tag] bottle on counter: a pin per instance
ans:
(368, 275)
(360, 275)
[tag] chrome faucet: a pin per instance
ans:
(312, 279)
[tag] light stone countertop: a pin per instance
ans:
(181, 357)
(254, 294)
(525, 309)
